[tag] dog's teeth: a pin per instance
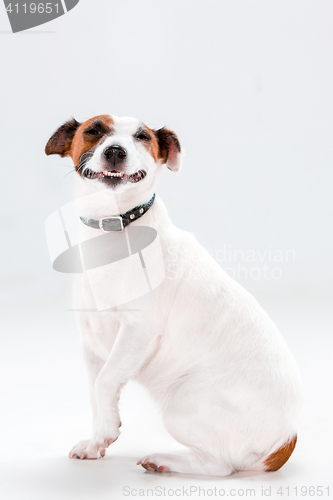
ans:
(112, 174)
(90, 174)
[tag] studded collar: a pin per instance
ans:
(119, 222)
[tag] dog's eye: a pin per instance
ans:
(92, 131)
(141, 136)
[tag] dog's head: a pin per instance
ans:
(118, 153)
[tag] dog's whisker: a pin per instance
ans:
(82, 169)
(87, 153)
(82, 159)
(83, 164)
(85, 157)
(70, 172)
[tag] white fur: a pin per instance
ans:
(208, 354)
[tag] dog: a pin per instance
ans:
(217, 366)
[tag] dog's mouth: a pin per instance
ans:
(114, 175)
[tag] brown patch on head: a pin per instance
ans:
(161, 144)
(151, 144)
(147, 138)
(74, 139)
(277, 459)
(90, 134)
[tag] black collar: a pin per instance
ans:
(119, 222)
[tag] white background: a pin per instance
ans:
(247, 86)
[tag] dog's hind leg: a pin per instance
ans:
(192, 425)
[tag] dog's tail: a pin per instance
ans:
(275, 460)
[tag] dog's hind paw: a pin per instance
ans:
(150, 466)
(186, 464)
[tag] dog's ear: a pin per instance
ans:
(169, 149)
(61, 141)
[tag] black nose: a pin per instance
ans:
(115, 154)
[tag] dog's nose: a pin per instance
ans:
(115, 153)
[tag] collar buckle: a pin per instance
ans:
(111, 224)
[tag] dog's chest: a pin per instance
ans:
(99, 331)
(99, 328)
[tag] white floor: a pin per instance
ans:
(45, 411)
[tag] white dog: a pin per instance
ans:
(208, 354)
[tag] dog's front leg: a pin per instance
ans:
(84, 449)
(129, 352)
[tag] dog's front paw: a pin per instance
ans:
(104, 436)
(85, 450)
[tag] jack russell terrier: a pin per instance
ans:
(207, 353)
